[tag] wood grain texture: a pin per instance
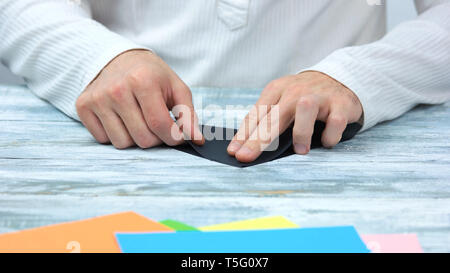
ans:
(394, 178)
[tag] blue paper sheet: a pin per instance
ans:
(343, 239)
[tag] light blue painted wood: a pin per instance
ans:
(393, 178)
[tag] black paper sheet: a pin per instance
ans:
(216, 150)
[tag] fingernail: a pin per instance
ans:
(234, 147)
(198, 138)
(300, 149)
(244, 151)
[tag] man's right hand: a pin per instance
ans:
(128, 104)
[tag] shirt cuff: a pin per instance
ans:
(368, 84)
(97, 55)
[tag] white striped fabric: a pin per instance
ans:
(59, 46)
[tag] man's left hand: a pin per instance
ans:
(302, 99)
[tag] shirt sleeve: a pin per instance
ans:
(409, 66)
(57, 47)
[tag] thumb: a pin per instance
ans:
(185, 114)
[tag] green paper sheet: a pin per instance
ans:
(177, 226)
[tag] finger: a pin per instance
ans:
(268, 129)
(259, 110)
(115, 129)
(306, 112)
(94, 126)
(131, 114)
(335, 125)
(184, 111)
(157, 116)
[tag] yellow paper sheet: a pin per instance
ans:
(272, 222)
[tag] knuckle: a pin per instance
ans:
(345, 101)
(298, 136)
(148, 77)
(185, 90)
(306, 102)
(294, 88)
(338, 120)
(116, 91)
(154, 123)
(275, 84)
(98, 99)
(153, 81)
(137, 76)
(82, 103)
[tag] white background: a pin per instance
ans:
(398, 11)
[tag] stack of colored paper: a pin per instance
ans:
(132, 233)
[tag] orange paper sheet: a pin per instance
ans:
(90, 235)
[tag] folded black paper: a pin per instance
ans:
(216, 149)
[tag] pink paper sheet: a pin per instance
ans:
(392, 243)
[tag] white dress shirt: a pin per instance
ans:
(59, 46)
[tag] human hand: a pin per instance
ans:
(302, 99)
(128, 104)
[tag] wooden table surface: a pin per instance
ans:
(394, 178)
